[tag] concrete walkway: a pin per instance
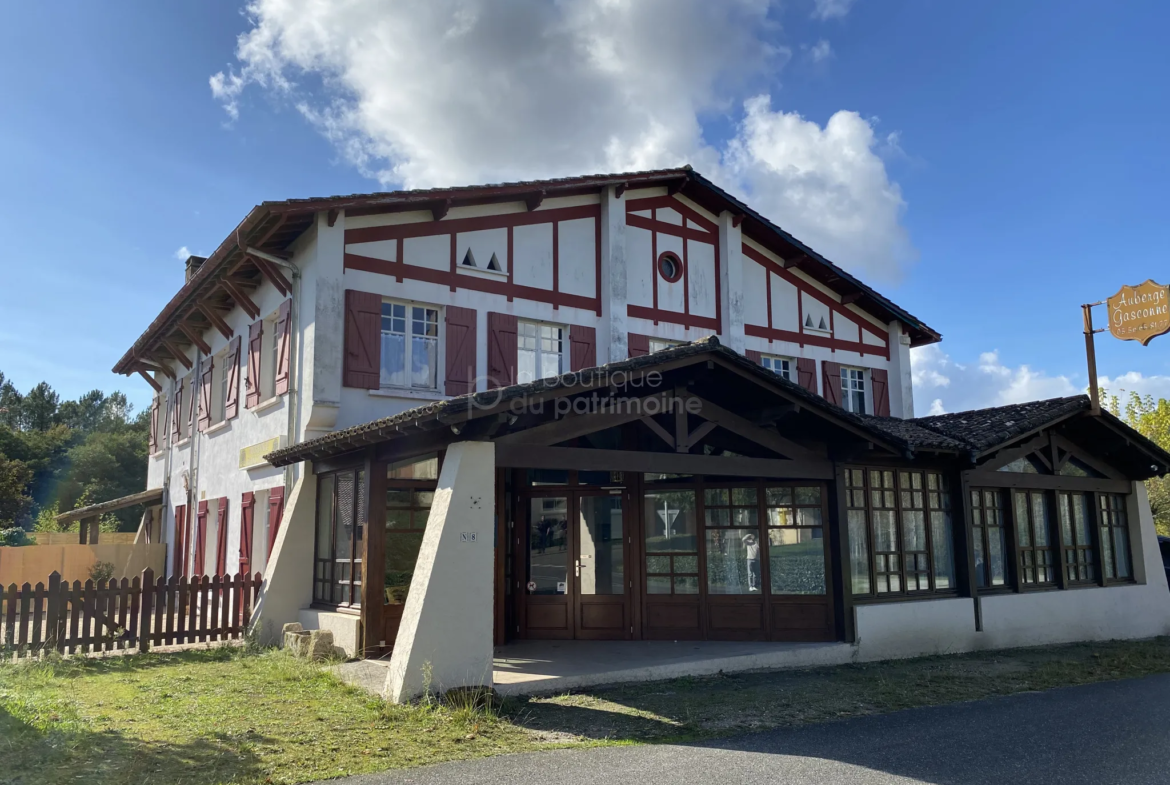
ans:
(1114, 733)
(542, 667)
(535, 667)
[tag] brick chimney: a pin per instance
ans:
(193, 265)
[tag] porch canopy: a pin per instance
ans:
(826, 508)
(89, 514)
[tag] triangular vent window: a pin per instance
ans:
(494, 264)
(469, 259)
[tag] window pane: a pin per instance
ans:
(658, 584)
(525, 366)
(743, 497)
(548, 545)
(658, 564)
(1121, 549)
(995, 557)
(779, 497)
(796, 561)
(858, 552)
(717, 516)
(1107, 548)
(1040, 519)
(600, 546)
(401, 555)
(424, 362)
(670, 521)
(1066, 534)
(811, 495)
(944, 556)
(393, 373)
(808, 516)
(717, 496)
(1023, 527)
(980, 560)
(733, 562)
(885, 531)
(781, 516)
(914, 530)
(686, 585)
(686, 565)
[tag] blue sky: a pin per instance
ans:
(1026, 142)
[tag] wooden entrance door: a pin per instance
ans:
(575, 583)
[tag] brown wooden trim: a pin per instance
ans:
(672, 317)
(149, 380)
(836, 344)
(1085, 457)
(177, 353)
(1059, 482)
(457, 280)
(671, 463)
(373, 555)
(652, 202)
(675, 230)
(237, 293)
(749, 430)
(841, 567)
(371, 234)
(1004, 457)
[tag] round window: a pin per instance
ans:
(670, 266)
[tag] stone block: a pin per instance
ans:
(319, 645)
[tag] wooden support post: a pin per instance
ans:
(967, 552)
(1091, 358)
(53, 614)
(842, 573)
(374, 556)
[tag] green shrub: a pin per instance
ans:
(15, 536)
(101, 571)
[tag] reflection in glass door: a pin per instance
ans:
(548, 591)
(601, 607)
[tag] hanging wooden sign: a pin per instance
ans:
(1140, 313)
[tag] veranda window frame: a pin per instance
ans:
(328, 576)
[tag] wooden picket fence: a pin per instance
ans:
(125, 615)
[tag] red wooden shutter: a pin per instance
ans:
(247, 509)
(200, 537)
(639, 345)
(460, 345)
(205, 395)
(754, 356)
(255, 355)
(221, 537)
(231, 403)
(284, 330)
(881, 392)
(177, 414)
(582, 347)
(363, 340)
(831, 382)
(502, 329)
(179, 563)
(806, 373)
(152, 439)
(275, 512)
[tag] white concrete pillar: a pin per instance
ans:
(1143, 540)
(901, 377)
(322, 322)
(445, 638)
(731, 304)
(612, 342)
(288, 576)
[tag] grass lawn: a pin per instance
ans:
(226, 715)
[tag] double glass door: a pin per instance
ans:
(576, 582)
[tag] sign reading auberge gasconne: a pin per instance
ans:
(1140, 313)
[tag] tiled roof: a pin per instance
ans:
(985, 428)
(914, 436)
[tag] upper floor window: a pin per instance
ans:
(658, 344)
(853, 390)
(781, 366)
(540, 351)
(410, 346)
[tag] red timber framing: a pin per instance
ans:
(454, 279)
(688, 233)
(801, 337)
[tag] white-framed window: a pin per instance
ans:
(853, 390)
(540, 351)
(781, 366)
(658, 344)
(410, 345)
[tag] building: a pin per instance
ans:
(438, 420)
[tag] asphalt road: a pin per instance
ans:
(1114, 732)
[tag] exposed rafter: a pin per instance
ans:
(216, 320)
(177, 353)
(195, 337)
(149, 379)
(243, 300)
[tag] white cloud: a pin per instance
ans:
(182, 253)
(831, 9)
(451, 92)
(943, 385)
(1135, 382)
(820, 51)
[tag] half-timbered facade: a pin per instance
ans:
(441, 419)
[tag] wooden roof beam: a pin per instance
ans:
(269, 271)
(178, 353)
(195, 338)
(216, 320)
(439, 210)
(149, 380)
(534, 200)
(241, 299)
